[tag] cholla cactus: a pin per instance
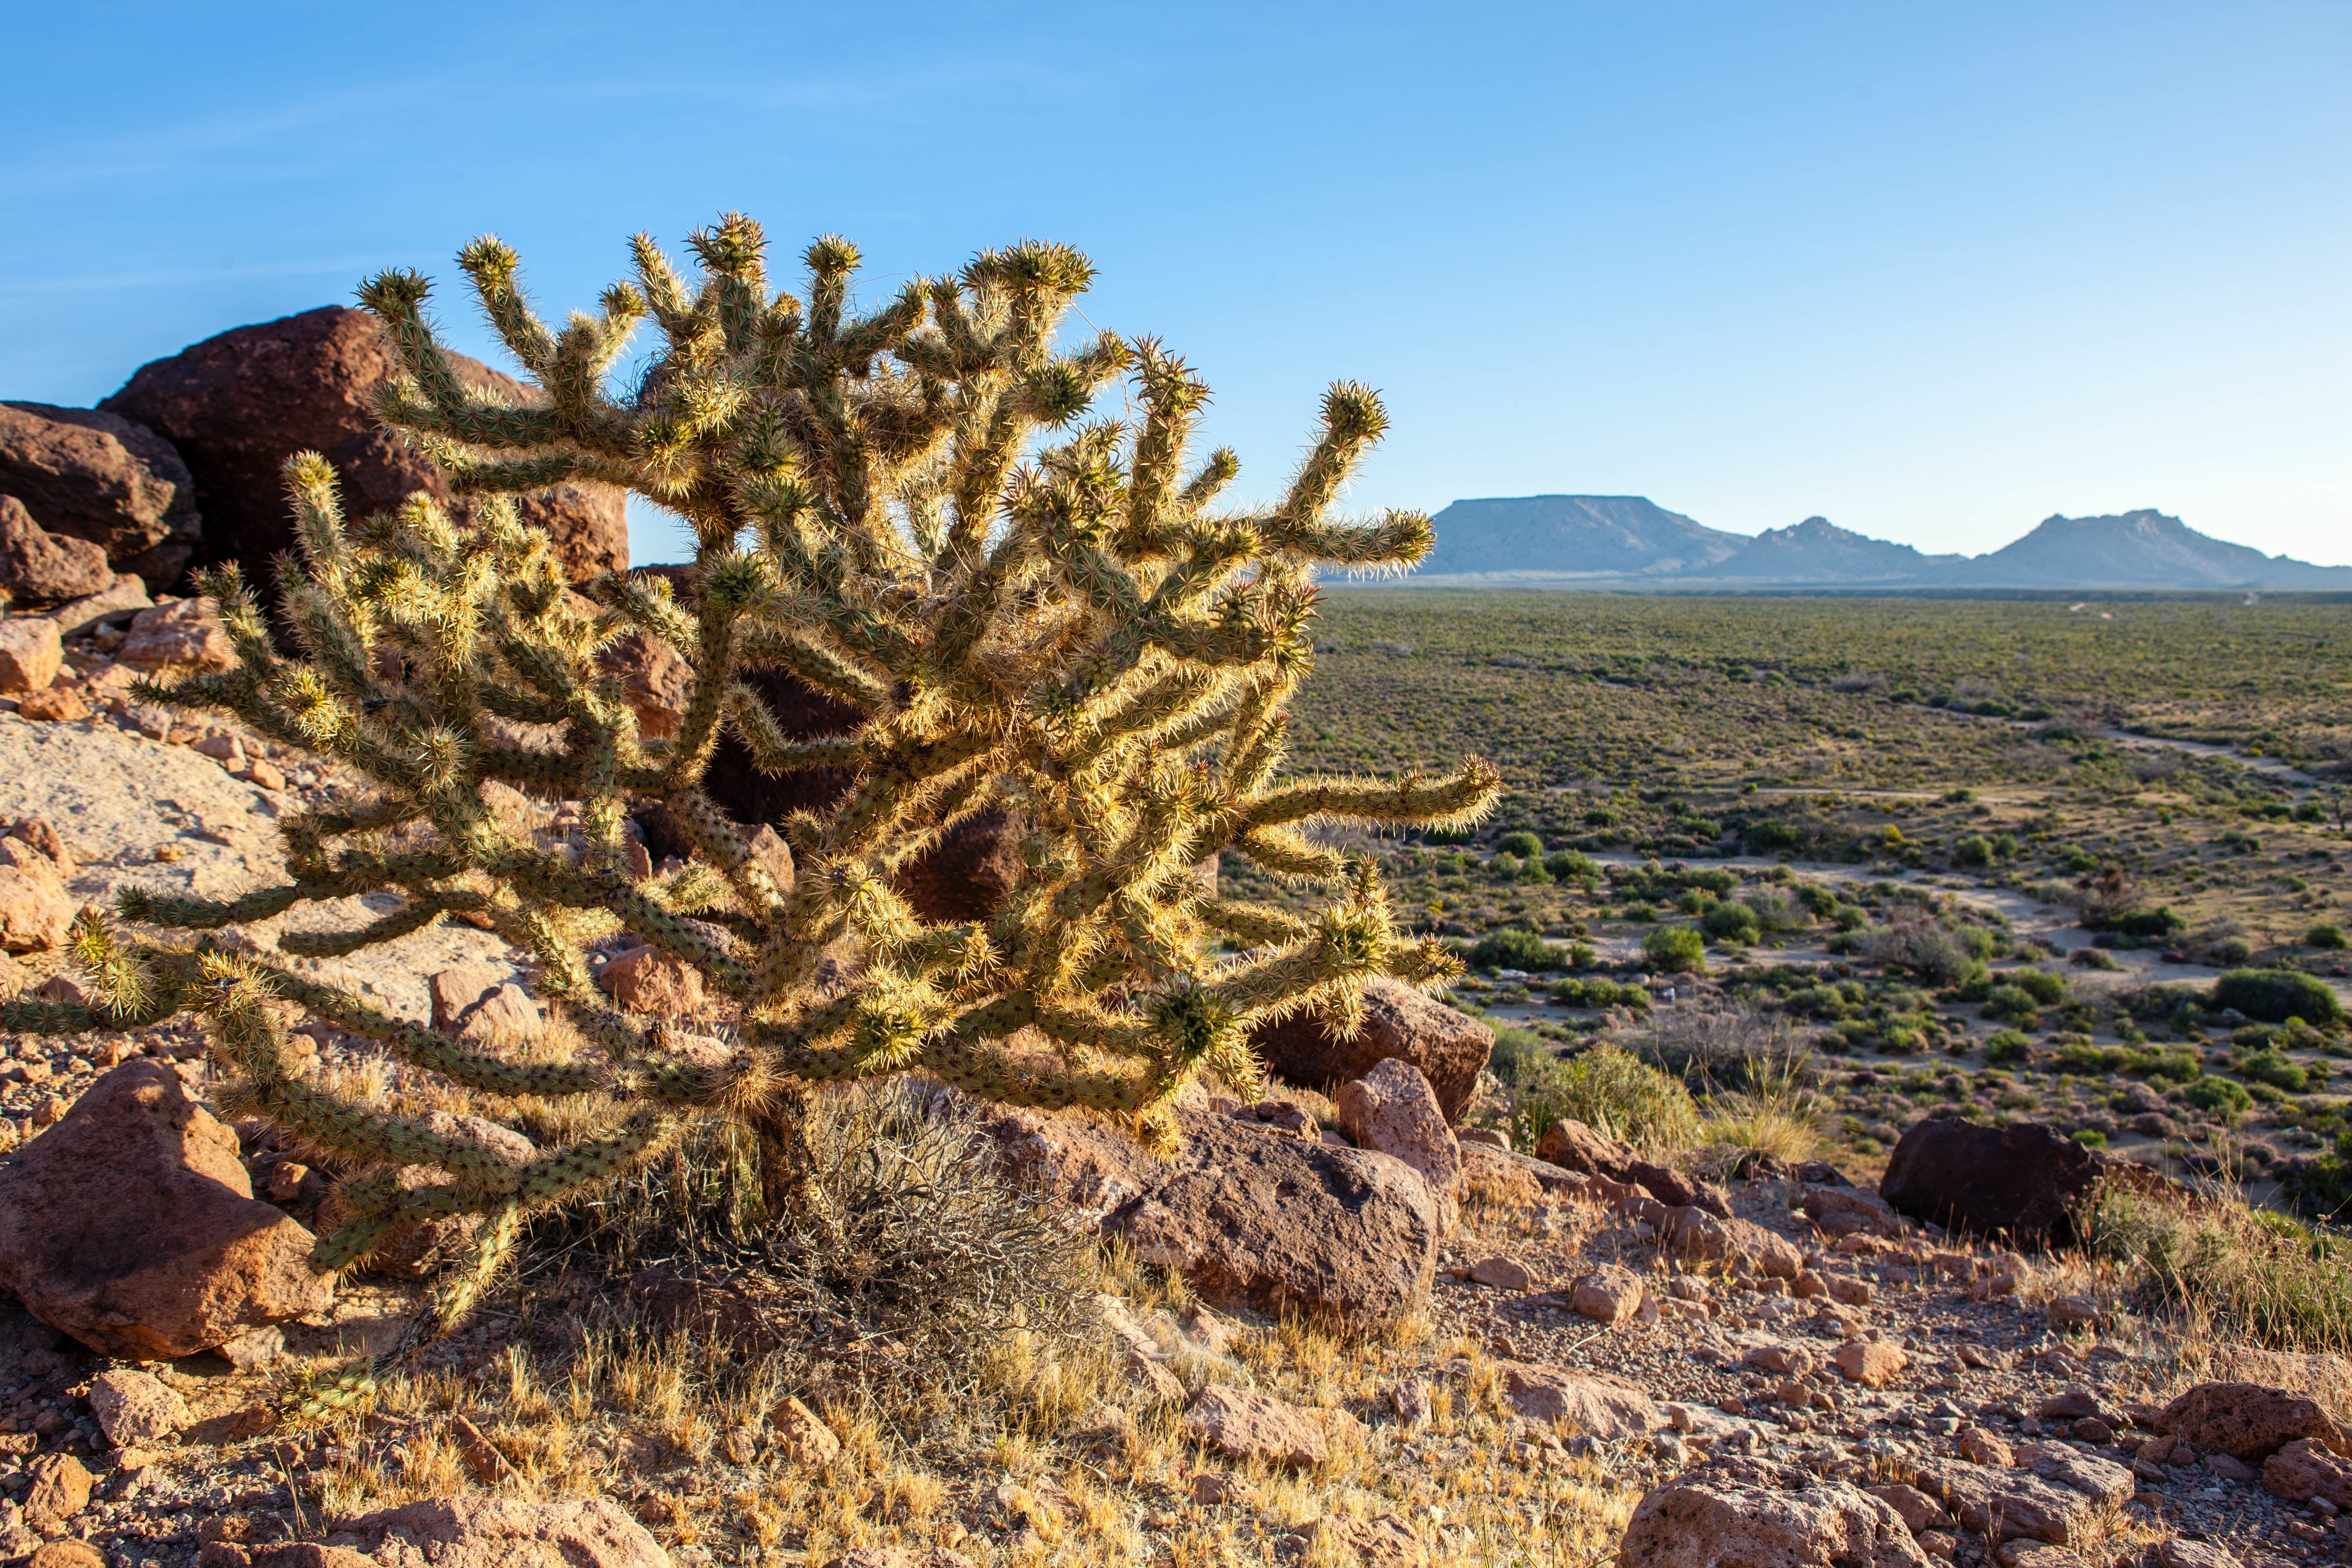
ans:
(1071, 632)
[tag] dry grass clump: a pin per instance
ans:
(1774, 1106)
(2233, 1272)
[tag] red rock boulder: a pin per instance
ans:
(37, 567)
(238, 405)
(131, 1226)
(1449, 1048)
(2020, 1183)
(91, 475)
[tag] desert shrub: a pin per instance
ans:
(2235, 1272)
(2274, 995)
(2144, 925)
(2009, 1046)
(1600, 991)
(1516, 947)
(1777, 909)
(1921, 946)
(2269, 1066)
(2012, 1003)
(2045, 987)
(1674, 949)
(1523, 844)
(1610, 1088)
(1850, 918)
(1770, 836)
(1819, 902)
(2327, 936)
(2322, 1186)
(2232, 950)
(1571, 865)
(2218, 1096)
(1503, 868)
(1731, 923)
(1974, 851)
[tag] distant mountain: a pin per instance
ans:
(1573, 536)
(2142, 549)
(1599, 538)
(1819, 551)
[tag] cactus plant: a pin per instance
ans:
(911, 509)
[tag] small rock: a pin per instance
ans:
(2178, 1553)
(30, 652)
(1502, 1273)
(646, 980)
(1392, 1109)
(2230, 1467)
(1979, 1447)
(805, 1439)
(266, 775)
(1610, 1294)
(506, 1532)
(1383, 1540)
(185, 635)
(1870, 1363)
(66, 1554)
(1595, 1404)
(1244, 1424)
(56, 704)
(60, 1488)
(2074, 1312)
(35, 913)
(1212, 1488)
(1848, 1291)
(1408, 1403)
(253, 1350)
(135, 1407)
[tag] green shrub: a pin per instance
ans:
(1523, 844)
(2145, 923)
(1503, 868)
(1516, 947)
(2269, 1066)
(2274, 995)
(1732, 923)
(1770, 837)
(2234, 949)
(1610, 1088)
(2090, 1138)
(2045, 987)
(1674, 949)
(2220, 1096)
(1600, 991)
(2009, 1046)
(1974, 851)
(1571, 865)
(1850, 918)
(2012, 1003)
(2324, 936)
(1600, 817)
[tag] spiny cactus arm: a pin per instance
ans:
(1253, 923)
(1399, 539)
(773, 751)
(1288, 854)
(1409, 799)
(1353, 420)
(770, 648)
(1221, 468)
(422, 1048)
(648, 606)
(456, 1292)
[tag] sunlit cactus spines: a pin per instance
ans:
(1037, 608)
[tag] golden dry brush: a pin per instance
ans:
(1035, 607)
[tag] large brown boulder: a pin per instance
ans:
(1736, 1513)
(1392, 1109)
(88, 474)
(2019, 1182)
(239, 404)
(1449, 1048)
(2246, 1421)
(1246, 1212)
(131, 1226)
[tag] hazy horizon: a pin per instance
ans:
(1933, 276)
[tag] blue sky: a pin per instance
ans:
(1933, 271)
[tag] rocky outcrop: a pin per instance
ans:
(1736, 1512)
(131, 1226)
(41, 568)
(2246, 1421)
(2304, 1469)
(1449, 1048)
(238, 405)
(1843, 1211)
(1246, 1214)
(1572, 1146)
(2018, 1183)
(86, 474)
(2055, 1494)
